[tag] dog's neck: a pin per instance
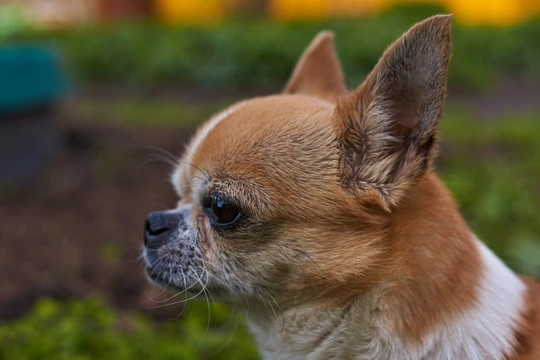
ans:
(450, 297)
(367, 328)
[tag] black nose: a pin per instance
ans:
(158, 224)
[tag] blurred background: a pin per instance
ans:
(97, 95)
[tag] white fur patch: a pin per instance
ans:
(502, 299)
(486, 331)
(176, 177)
(176, 180)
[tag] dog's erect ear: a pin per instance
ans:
(388, 126)
(318, 72)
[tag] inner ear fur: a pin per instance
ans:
(318, 72)
(388, 125)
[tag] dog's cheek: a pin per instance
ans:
(264, 272)
(203, 237)
(215, 252)
(249, 262)
(232, 266)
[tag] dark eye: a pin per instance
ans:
(222, 213)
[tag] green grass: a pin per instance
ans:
(255, 53)
(493, 168)
(88, 329)
(152, 113)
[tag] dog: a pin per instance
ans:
(318, 209)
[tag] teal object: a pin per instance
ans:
(30, 76)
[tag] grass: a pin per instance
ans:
(252, 53)
(88, 329)
(493, 168)
(154, 113)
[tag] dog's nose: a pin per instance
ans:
(158, 223)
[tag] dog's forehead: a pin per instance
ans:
(258, 139)
(259, 126)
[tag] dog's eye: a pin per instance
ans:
(222, 213)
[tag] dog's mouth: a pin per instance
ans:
(175, 281)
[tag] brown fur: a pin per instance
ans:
(388, 126)
(428, 227)
(318, 72)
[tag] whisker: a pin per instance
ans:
(209, 312)
(246, 309)
(303, 253)
(229, 339)
(180, 162)
(156, 149)
(156, 158)
(183, 291)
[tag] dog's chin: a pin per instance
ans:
(193, 291)
(165, 281)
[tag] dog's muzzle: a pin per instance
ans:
(159, 226)
(172, 255)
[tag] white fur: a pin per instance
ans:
(176, 177)
(176, 180)
(486, 331)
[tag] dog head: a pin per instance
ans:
(296, 196)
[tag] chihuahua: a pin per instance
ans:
(319, 210)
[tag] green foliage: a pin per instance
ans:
(13, 20)
(87, 329)
(258, 53)
(493, 168)
(155, 113)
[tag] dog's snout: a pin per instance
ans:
(158, 223)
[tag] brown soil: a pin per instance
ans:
(76, 230)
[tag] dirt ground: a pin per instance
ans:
(76, 229)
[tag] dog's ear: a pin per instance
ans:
(318, 72)
(388, 126)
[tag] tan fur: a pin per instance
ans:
(347, 232)
(318, 72)
(389, 124)
(428, 227)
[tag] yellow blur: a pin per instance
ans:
(191, 12)
(470, 12)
